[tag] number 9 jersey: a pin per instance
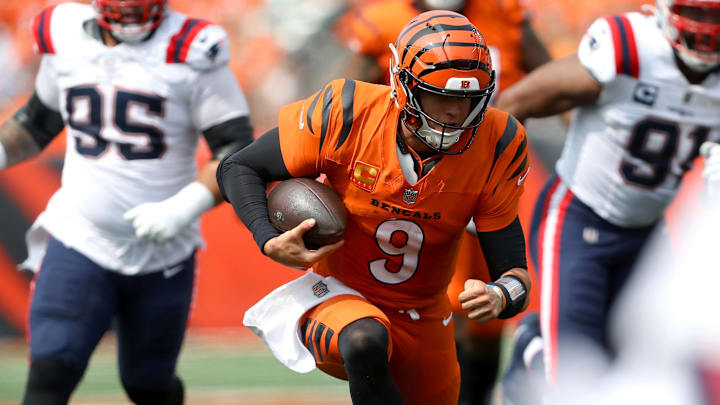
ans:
(402, 235)
(133, 115)
(625, 155)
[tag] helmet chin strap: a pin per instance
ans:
(448, 139)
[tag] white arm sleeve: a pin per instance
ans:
(46, 85)
(216, 98)
(597, 52)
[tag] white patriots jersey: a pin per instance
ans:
(133, 116)
(626, 154)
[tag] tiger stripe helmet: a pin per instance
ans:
(441, 52)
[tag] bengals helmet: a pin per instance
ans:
(441, 52)
(130, 20)
(693, 29)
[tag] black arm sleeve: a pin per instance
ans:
(229, 136)
(41, 122)
(243, 178)
(504, 249)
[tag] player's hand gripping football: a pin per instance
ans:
(289, 249)
(711, 172)
(480, 301)
(161, 221)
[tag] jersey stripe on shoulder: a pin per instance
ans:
(520, 150)
(348, 98)
(511, 127)
(327, 106)
(41, 30)
(311, 110)
(626, 54)
(180, 43)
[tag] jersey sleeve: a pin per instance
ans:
(309, 126)
(608, 49)
(46, 84)
(216, 98)
(200, 44)
(498, 206)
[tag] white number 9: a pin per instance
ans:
(410, 250)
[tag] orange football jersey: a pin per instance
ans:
(369, 30)
(401, 239)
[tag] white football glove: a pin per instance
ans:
(711, 172)
(160, 221)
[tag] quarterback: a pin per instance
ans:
(647, 94)
(412, 162)
(134, 85)
(515, 50)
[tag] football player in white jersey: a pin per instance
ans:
(646, 93)
(134, 84)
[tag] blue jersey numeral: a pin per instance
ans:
(94, 125)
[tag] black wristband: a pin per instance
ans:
(515, 295)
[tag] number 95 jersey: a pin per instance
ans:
(626, 154)
(133, 114)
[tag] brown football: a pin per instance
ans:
(292, 201)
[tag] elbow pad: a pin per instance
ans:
(229, 137)
(41, 122)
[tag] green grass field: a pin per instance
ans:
(227, 369)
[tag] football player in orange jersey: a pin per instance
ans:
(413, 163)
(516, 50)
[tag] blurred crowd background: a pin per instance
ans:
(283, 49)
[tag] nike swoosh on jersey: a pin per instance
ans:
(172, 271)
(521, 179)
(446, 321)
(301, 125)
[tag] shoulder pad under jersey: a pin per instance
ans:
(57, 27)
(200, 44)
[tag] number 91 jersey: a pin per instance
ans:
(626, 154)
(133, 114)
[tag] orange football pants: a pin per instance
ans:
(421, 353)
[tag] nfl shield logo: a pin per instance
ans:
(320, 289)
(410, 196)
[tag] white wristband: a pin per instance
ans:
(196, 198)
(3, 157)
